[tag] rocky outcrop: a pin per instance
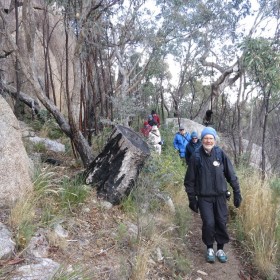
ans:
(51, 145)
(189, 125)
(56, 52)
(15, 178)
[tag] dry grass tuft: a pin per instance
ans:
(21, 219)
(259, 220)
(23, 211)
(57, 241)
(147, 249)
(140, 268)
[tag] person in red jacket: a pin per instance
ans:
(156, 117)
(146, 129)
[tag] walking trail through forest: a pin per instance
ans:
(94, 233)
(237, 267)
(97, 242)
(100, 252)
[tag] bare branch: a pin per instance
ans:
(26, 99)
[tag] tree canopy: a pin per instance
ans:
(94, 63)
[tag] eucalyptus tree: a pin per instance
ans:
(264, 22)
(110, 53)
(193, 32)
(262, 62)
(156, 85)
(205, 37)
(94, 73)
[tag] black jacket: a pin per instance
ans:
(191, 146)
(209, 176)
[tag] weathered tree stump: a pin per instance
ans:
(115, 170)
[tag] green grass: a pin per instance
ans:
(182, 220)
(275, 186)
(23, 234)
(73, 273)
(39, 147)
(129, 204)
(177, 262)
(46, 203)
(72, 192)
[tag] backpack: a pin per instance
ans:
(218, 153)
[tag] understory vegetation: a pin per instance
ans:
(257, 221)
(158, 206)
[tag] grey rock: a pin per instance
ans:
(60, 231)
(44, 269)
(38, 245)
(15, 171)
(51, 145)
(7, 245)
(106, 204)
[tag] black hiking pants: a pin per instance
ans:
(214, 215)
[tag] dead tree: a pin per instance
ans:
(115, 170)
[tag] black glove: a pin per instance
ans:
(237, 199)
(193, 204)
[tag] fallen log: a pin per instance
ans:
(115, 170)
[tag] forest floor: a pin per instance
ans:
(103, 249)
(97, 241)
(97, 244)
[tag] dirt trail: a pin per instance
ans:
(231, 270)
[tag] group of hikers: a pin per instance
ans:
(152, 120)
(209, 170)
(151, 131)
(186, 143)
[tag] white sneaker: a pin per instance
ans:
(210, 255)
(221, 255)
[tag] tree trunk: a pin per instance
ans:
(266, 106)
(115, 170)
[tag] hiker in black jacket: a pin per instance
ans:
(192, 145)
(206, 179)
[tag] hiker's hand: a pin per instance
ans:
(237, 199)
(193, 204)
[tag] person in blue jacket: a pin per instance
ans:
(180, 141)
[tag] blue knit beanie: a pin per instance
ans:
(194, 134)
(208, 130)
